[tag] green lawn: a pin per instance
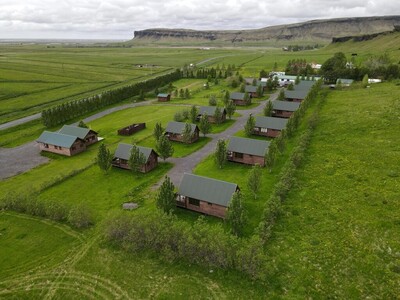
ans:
(339, 231)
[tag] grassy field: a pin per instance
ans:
(337, 235)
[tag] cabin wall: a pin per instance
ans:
(282, 114)
(246, 159)
(204, 207)
(91, 138)
(269, 133)
(76, 148)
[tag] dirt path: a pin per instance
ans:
(188, 163)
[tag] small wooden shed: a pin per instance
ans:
(284, 109)
(239, 98)
(131, 129)
(269, 126)
(210, 111)
(163, 97)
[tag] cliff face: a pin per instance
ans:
(317, 31)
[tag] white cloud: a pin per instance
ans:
(119, 18)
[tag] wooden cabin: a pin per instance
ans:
(247, 151)
(86, 134)
(284, 109)
(123, 152)
(131, 129)
(296, 95)
(163, 97)
(239, 99)
(210, 111)
(174, 131)
(269, 126)
(59, 143)
(205, 195)
(251, 90)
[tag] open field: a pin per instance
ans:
(336, 236)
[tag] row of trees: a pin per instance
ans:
(207, 73)
(59, 114)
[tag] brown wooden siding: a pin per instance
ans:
(246, 158)
(239, 102)
(90, 138)
(151, 163)
(204, 207)
(131, 129)
(76, 148)
(164, 99)
(179, 138)
(270, 132)
(282, 114)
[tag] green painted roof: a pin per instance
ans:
(271, 122)
(163, 95)
(80, 132)
(296, 94)
(57, 139)
(209, 110)
(124, 151)
(178, 127)
(248, 146)
(251, 89)
(285, 105)
(304, 85)
(237, 96)
(207, 189)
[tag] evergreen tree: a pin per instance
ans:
(187, 133)
(247, 98)
(290, 87)
(268, 108)
(249, 126)
(234, 83)
(226, 97)
(218, 115)
(281, 95)
(365, 81)
(176, 93)
(104, 158)
(164, 147)
(165, 199)
(204, 125)
(230, 109)
(136, 159)
(216, 82)
(242, 88)
(260, 91)
(82, 124)
(187, 93)
(194, 112)
(158, 131)
(270, 157)
(254, 180)
(297, 81)
(212, 101)
(220, 153)
(181, 93)
(141, 95)
(254, 82)
(156, 91)
(236, 214)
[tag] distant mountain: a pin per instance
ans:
(316, 31)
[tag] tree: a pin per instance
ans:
(230, 108)
(193, 114)
(234, 83)
(165, 199)
(204, 125)
(176, 93)
(297, 81)
(365, 81)
(254, 82)
(270, 157)
(220, 153)
(141, 95)
(82, 124)
(290, 87)
(268, 108)
(104, 158)
(334, 67)
(226, 97)
(136, 159)
(247, 98)
(254, 180)
(236, 215)
(218, 115)
(187, 93)
(158, 131)
(212, 101)
(242, 88)
(249, 126)
(181, 93)
(281, 95)
(260, 91)
(187, 133)
(156, 92)
(164, 147)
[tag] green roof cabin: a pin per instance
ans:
(247, 151)
(163, 97)
(59, 143)
(123, 153)
(205, 195)
(86, 134)
(269, 126)
(284, 109)
(174, 131)
(210, 111)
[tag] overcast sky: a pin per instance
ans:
(117, 19)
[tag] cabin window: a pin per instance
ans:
(46, 145)
(238, 155)
(195, 202)
(209, 203)
(264, 130)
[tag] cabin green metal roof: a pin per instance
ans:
(178, 127)
(162, 95)
(296, 94)
(251, 89)
(207, 189)
(80, 132)
(57, 139)
(237, 96)
(285, 105)
(304, 85)
(124, 151)
(209, 110)
(248, 146)
(271, 122)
